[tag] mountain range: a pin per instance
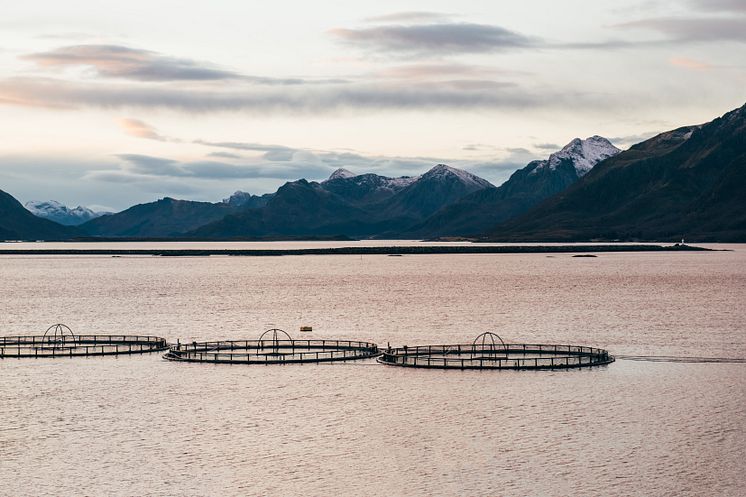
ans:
(59, 213)
(688, 182)
(540, 179)
(346, 204)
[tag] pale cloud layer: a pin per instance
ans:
(444, 38)
(688, 63)
(117, 61)
(410, 17)
(457, 95)
(709, 29)
(140, 129)
(720, 5)
(128, 63)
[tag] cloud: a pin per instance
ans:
(479, 147)
(450, 38)
(694, 29)
(121, 62)
(65, 179)
(137, 167)
(719, 5)
(158, 185)
(224, 155)
(501, 167)
(275, 153)
(116, 61)
(444, 38)
(518, 150)
(222, 170)
(146, 164)
(410, 16)
(140, 129)
(441, 71)
(454, 95)
(303, 163)
(497, 171)
(440, 36)
(633, 139)
(327, 161)
(69, 36)
(687, 63)
(547, 146)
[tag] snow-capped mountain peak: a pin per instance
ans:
(584, 154)
(60, 213)
(238, 198)
(341, 173)
(442, 171)
(246, 199)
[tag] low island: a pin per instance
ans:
(391, 250)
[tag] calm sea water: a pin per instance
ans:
(144, 426)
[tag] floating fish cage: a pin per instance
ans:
(60, 341)
(489, 351)
(274, 346)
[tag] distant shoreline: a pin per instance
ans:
(391, 250)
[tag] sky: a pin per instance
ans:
(108, 104)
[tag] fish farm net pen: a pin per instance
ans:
(489, 351)
(60, 341)
(274, 346)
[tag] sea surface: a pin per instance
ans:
(140, 425)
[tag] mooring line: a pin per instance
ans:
(684, 359)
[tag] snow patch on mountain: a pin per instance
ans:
(60, 213)
(401, 182)
(372, 179)
(439, 173)
(341, 173)
(584, 154)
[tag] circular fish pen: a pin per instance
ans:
(274, 346)
(489, 351)
(60, 341)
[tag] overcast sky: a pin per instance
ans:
(114, 103)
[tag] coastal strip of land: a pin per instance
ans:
(391, 250)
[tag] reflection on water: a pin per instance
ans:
(144, 426)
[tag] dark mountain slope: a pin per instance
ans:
(165, 217)
(298, 208)
(689, 182)
(17, 223)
